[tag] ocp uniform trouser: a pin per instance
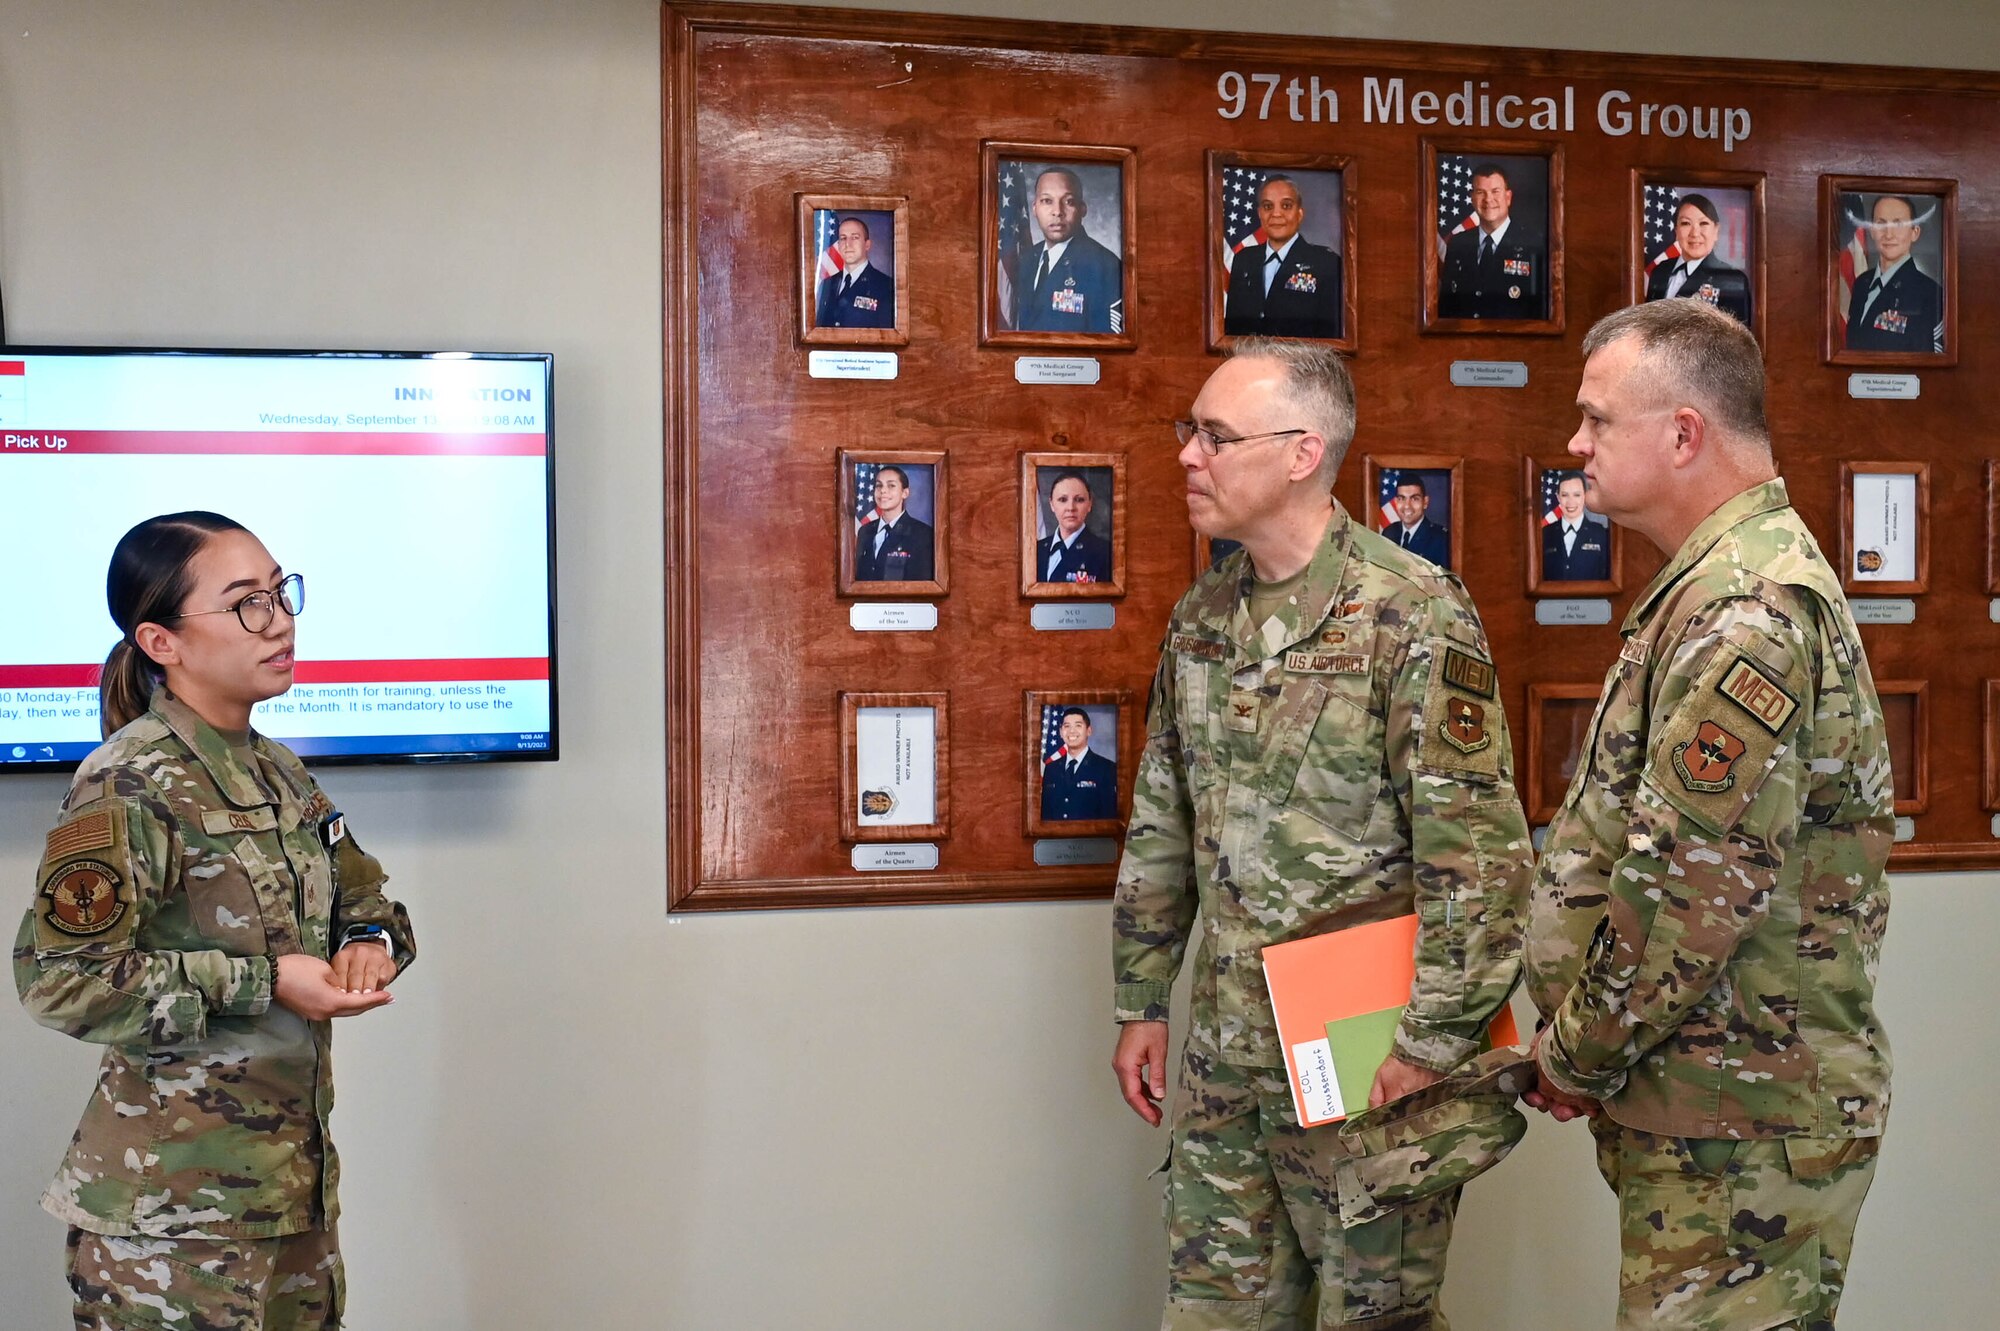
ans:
(1253, 1219)
(294, 1282)
(1721, 1235)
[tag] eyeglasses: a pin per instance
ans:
(256, 611)
(1212, 444)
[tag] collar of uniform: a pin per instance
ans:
(1754, 502)
(238, 786)
(1308, 607)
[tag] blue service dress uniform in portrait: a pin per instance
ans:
(1086, 558)
(1903, 313)
(1582, 554)
(1426, 540)
(1080, 290)
(1494, 277)
(865, 301)
(1299, 295)
(900, 553)
(1709, 279)
(1077, 788)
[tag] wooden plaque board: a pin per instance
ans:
(765, 104)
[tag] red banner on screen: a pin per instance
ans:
(56, 443)
(316, 672)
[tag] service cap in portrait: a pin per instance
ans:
(1576, 543)
(1492, 236)
(1060, 251)
(1281, 246)
(1697, 244)
(1079, 762)
(1888, 296)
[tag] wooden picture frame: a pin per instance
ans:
(1101, 575)
(813, 272)
(1842, 235)
(1648, 217)
(1989, 715)
(1851, 557)
(1993, 527)
(1373, 468)
(1235, 200)
(851, 787)
(1914, 796)
(1445, 310)
(857, 577)
(1545, 795)
(1006, 167)
(1541, 585)
(1205, 554)
(1034, 701)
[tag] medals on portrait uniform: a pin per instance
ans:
(1518, 267)
(1893, 321)
(1067, 299)
(1302, 281)
(1713, 295)
(877, 803)
(868, 303)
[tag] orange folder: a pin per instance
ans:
(1336, 995)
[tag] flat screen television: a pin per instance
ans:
(413, 490)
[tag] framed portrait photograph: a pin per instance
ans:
(1491, 236)
(1699, 235)
(854, 270)
(1885, 539)
(1210, 551)
(1571, 550)
(1077, 750)
(894, 782)
(1990, 767)
(1906, 716)
(1891, 247)
(1417, 499)
(1072, 525)
(1993, 527)
(1559, 718)
(890, 518)
(1281, 247)
(1056, 239)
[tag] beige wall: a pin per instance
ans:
(581, 1112)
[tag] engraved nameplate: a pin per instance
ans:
(851, 364)
(1076, 850)
(902, 855)
(1884, 610)
(1073, 615)
(1594, 611)
(892, 617)
(1055, 370)
(1906, 830)
(1904, 386)
(1489, 374)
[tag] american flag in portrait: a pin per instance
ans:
(1240, 227)
(1660, 204)
(864, 494)
(1017, 229)
(1391, 478)
(1454, 187)
(1052, 744)
(826, 228)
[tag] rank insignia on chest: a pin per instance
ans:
(1892, 321)
(866, 303)
(1066, 300)
(1517, 267)
(82, 900)
(1326, 663)
(1705, 762)
(1302, 281)
(1242, 713)
(1462, 670)
(1464, 725)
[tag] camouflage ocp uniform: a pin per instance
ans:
(1345, 762)
(1706, 922)
(181, 869)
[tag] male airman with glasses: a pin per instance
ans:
(1325, 748)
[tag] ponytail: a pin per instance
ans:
(147, 582)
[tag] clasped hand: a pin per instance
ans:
(353, 983)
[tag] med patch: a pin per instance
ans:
(1460, 716)
(1462, 670)
(1750, 688)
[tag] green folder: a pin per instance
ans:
(1360, 1046)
